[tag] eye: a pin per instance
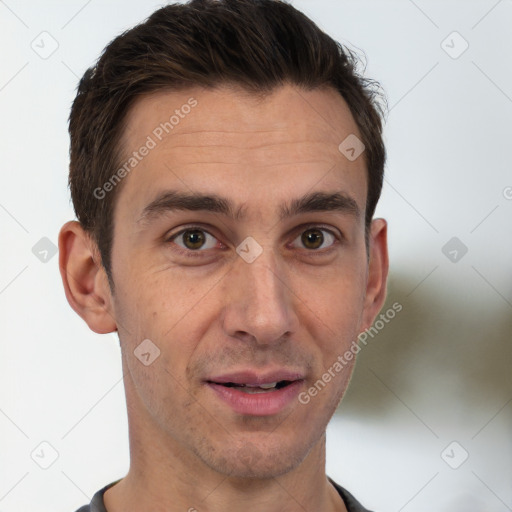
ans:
(315, 238)
(194, 239)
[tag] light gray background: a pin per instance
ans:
(439, 372)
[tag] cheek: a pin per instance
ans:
(162, 308)
(147, 298)
(332, 314)
(336, 296)
(156, 349)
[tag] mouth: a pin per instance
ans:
(255, 388)
(248, 393)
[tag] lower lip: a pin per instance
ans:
(258, 404)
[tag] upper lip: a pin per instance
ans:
(253, 378)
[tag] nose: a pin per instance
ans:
(260, 302)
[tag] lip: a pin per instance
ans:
(257, 404)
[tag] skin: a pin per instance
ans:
(295, 306)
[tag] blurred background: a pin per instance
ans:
(427, 423)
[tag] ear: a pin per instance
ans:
(84, 278)
(377, 272)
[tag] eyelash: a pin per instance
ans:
(338, 238)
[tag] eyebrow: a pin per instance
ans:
(171, 200)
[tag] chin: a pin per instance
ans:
(251, 461)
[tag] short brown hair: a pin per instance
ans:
(255, 44)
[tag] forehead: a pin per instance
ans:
(317, 115)
(207, 140)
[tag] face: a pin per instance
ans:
(239, 252)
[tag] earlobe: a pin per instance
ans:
(84, 278)
(377, 272)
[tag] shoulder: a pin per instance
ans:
(97, 504)
(350, 502)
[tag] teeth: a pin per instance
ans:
(253, 390)
(263, 386)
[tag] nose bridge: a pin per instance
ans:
(264, 278)
(260, 303)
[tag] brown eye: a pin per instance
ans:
(315, 238)
(195, 239)
(312, 238)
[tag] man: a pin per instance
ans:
(226, 161)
